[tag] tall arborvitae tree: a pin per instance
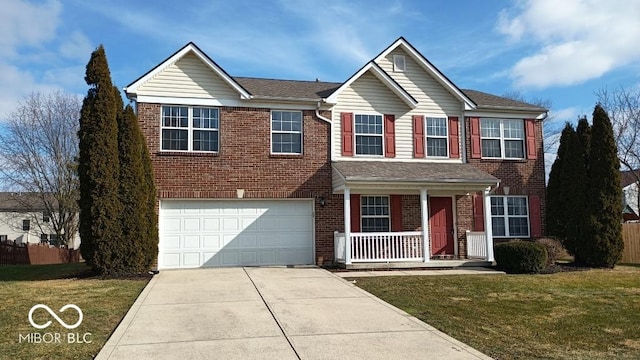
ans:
(566, 193)
(555, 196)
(151, 235)
(605, 200)
(584, 134)
(98, 167)
(135, 193)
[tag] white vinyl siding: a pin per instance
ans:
(188, 77)
(369, 95)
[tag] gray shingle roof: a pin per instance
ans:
(489, 101)
(20, 201)
(385, 171)
(317, 90)
(292, 89)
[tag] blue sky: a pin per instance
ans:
(562, 51)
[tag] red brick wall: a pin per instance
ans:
(245, 162)
(523, 177)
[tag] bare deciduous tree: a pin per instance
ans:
(623, 107)
(39, 147)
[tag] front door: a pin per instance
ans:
(441, 220)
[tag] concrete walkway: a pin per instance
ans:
(423, 272)
(271, 313)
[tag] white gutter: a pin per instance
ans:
(330, 128)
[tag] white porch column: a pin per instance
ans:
(347, 225)
(424, 207)
(487, 223)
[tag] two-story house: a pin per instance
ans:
(395, 165)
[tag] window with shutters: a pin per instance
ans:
(502, 138)
(437, 137)
(368, 134)
(509, 216)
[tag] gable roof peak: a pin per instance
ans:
(132, 89)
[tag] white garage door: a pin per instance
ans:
(197, 233)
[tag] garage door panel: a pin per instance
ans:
(210, 224)
(171, 242)
(231, 233)
(171, 224)
(192, 242)
(170, 260)
(191, 259)
(211, 242)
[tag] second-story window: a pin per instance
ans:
(502, 138)
(437, 137)
(286, 132)
(368, 134)
(194, 129)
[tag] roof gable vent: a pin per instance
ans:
(398, 63)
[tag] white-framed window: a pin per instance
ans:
(368, 134)
(502, 138)
(375, 214)
(286, 132)
(510, 216)
(399, 63)
(437, 137)
(190, 128)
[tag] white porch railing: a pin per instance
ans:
(476, 244)
(381, 246)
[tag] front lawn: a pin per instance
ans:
(591, 314)
(103, 304)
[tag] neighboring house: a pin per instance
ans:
(629, 184)
(24, 219)
(396, 164)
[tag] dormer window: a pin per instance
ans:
(398, 63)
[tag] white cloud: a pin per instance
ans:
(577, 40)
(36, 56)
(25, 24)
(76, 46)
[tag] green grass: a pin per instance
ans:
(573, 315)
(103, 302)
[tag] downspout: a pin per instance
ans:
(318, 104)
(463, 135)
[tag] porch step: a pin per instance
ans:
(433, 264)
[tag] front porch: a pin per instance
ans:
(402, 250)
(413, 215)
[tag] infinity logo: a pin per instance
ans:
(48, 309)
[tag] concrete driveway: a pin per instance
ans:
(271, 313)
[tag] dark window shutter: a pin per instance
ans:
(347, 134)
(454, 137)
(534, 216)
(418, 136)
(476, 149)
(355, 213)
(530, 128)
(478, 213)
(389, 136)
(396, 213)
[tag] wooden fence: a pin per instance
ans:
(22, 254)
(631, 237)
